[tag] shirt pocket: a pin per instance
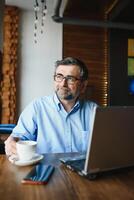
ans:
(85, 136)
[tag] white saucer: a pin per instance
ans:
(34, 160)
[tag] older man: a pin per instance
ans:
(61, 122)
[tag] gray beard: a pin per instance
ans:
(65, 97)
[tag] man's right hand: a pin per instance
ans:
(10, 146)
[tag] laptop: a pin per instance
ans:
(110, 145)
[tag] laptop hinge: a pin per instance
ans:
(93, 171)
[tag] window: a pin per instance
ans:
(131, 66)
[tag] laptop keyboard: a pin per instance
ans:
(76, 164)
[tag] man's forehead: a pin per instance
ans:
(70, 68)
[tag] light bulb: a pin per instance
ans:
(35, 30)
(36, 8)
(45, 11)
(36, 21)
(43, 17)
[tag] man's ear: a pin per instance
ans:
(83, 86)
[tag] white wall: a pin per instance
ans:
(36, 61)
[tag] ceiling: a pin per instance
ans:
(116, 10)
(91, 7)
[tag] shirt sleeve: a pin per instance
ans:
(26, 128)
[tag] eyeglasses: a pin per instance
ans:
(70, 79)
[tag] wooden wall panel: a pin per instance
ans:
(90, 45)
(9, 66)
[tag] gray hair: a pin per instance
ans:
(74, 61)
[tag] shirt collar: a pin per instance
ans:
(58, 103)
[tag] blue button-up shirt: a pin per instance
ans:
(56, 130)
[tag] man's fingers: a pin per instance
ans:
(10, 146)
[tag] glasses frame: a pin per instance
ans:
(67, 78)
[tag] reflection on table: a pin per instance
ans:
(64, 183)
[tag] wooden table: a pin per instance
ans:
(64, 184)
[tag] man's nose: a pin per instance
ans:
(64, 81)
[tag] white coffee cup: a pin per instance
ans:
(26, 149)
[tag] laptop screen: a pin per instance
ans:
(111, 144)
